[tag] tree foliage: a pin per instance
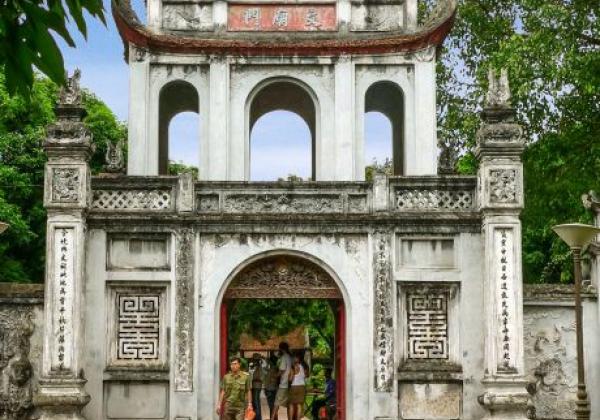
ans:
(22, 158)
(264, 318)
(552, 52)
(27, 42)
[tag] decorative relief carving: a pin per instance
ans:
(504, 271)
(427, 324)
(550, 361)
(283, 203)
(16, 329)
(425, 55)
(357, 203)
(138, 54)
(63, 299)
(384, 334)
(65, 185)
(283, 276)
(503, 185)
(138, 327)
(132, 199)
(184, 315)
(187, 16)
(434, 199)
(207, 203)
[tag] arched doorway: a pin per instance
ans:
(285, 276)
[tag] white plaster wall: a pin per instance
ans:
(318, 81)
(346, 259)
(338, 86)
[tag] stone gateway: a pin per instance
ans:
(423, 267)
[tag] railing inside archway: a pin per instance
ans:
(283, 277)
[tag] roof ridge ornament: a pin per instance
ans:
(498, 94)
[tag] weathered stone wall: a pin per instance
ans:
(550, 350)
(21, 328)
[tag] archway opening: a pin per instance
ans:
(287, 298)
(385, 98)
(178, 128)
(378, 144)
(282, 132)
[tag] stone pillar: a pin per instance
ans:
(500, 176)
(591, 201)
(61, 393)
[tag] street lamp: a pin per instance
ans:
(578, 235)
(3, 226)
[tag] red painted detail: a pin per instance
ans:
(223, 355)
(281, 17)
(231, 43)
(340, 362)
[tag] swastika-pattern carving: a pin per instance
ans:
(427, 318)
(138, 327)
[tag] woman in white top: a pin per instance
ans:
(298, 376)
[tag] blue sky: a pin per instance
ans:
(279, 142)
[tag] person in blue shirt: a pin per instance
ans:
(329, 400)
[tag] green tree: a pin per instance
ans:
(263, 318)
(22, 133)
(27, 42)
(552, 52)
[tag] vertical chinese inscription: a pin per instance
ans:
(138, 330)
(63, 298)
(384, 370)
(427, 324)
(504, 274)
(184, 318)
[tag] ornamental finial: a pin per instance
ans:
(70, 94)
(498, 94)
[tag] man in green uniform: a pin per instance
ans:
(236, 392)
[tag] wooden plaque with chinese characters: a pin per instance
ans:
(282, 17)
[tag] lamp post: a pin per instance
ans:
(578, 235)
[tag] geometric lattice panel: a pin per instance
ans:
(138, 330)
(137, 326)
(427, 319)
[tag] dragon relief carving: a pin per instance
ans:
(65, 185)
(550, 361)
(282, 203)
(16, 371)
(503, 186)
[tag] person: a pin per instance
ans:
(257, 384)
(297, 394)
(284, 366)
(235, 391)
(329, 401)
(271, 383)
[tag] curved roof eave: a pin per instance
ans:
(432, 33)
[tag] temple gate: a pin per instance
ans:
(427, 263)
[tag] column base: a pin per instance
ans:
(60, 399)
(506, 400)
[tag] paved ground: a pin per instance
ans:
(265, 410)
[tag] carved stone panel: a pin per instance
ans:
(503, 186)
(284, 277)
(184, 311)
(132, 200)
(504, 272)
(427, 324)
(283, 203)
(137, 330)
(16, 328)
(426, 199)
(63, 299)
(383, 304)
(187, 17)
(551, 360)
(65, 185)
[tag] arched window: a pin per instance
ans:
(282, 132)
(178, 125)
(384, 125)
